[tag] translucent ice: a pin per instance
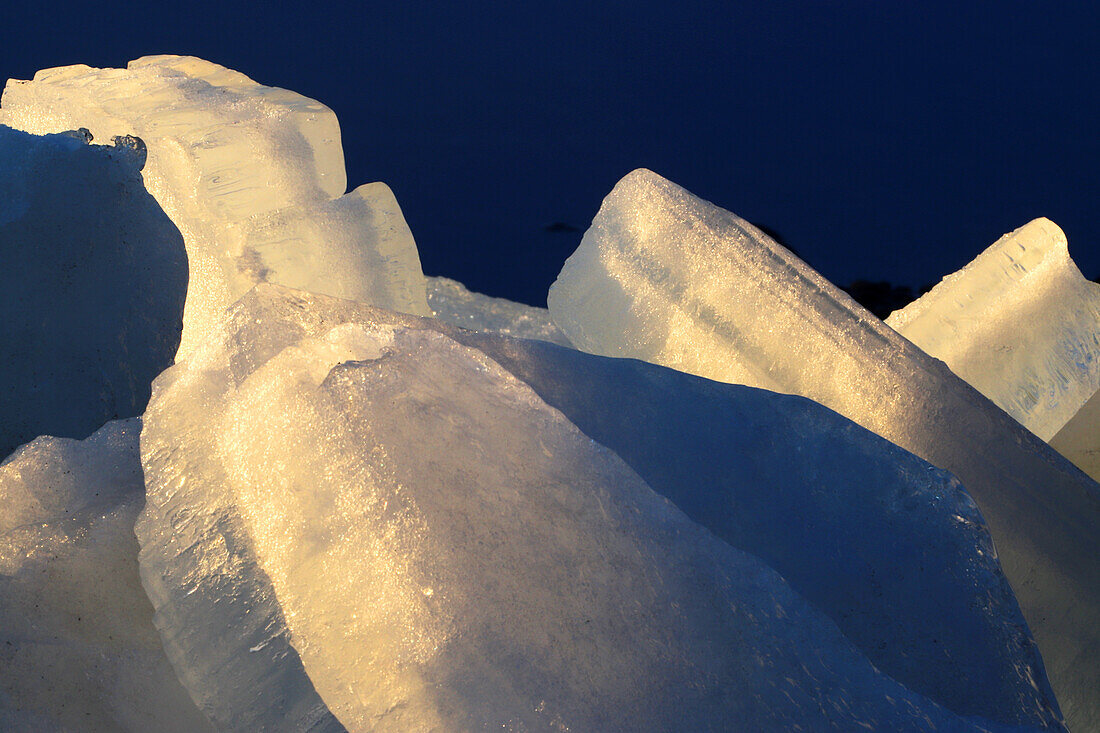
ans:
(667, 277)
(252, 175)
(77, 642)
(891, 548)
(452, 303)
(92, 286)
(349, 505)
(1020, 323)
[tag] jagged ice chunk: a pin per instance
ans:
(1019, 323)
(252, 175)
(451, 302)
(78, 650)
(664, 276)
(392, 523)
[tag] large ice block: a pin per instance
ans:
(670, 278)
(252, 175)
(417, 539)
(92, 286)
(1020, 323)
(78, 650)
(451, 302)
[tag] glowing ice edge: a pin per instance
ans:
(252, 175)
(1020, 323)
(664, 276)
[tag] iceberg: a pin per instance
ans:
(375, 521)
(252, 175)
(451, 302)
(1020, 323)
(77, 640)
(91, 290)
(669, 278)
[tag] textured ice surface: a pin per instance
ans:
(425, 542)
(1079, 439)
(92, 286)
(1020, 323)
(667, 277)
(891, 548)
(78, 650)
(251, 175)
(451, 302)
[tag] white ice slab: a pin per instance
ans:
(667, 277)
(1019, 323)
(252, 175)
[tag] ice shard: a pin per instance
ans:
(252, 175)
(451, 302)
(92, 285)
(78, 649)
(667, 277)
(353, 506)
(1019, 323)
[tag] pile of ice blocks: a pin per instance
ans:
(359, 499)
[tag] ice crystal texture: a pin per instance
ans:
(92, 286)
(78, 650)
(252, 175)
(1020, 323)
(667, 277)
(451, 302)
(378, 516)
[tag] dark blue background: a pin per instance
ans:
(879, 139)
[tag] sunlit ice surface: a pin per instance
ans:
(450, 301)
(252, 175)
(79, 648)
(362, 520)
(1020, 323)
(667, 277)
(391, 521)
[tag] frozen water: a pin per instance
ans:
(1020, 323)
(428, 543)
(92, 286)
(252, 175)
(452, 303)
(667, 277)
(891, 548)
(77, 643)
(1079, 439)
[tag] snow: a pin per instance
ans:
(1019, 323)
(429, 543)
(91, 290)
(451, 302)
(252, 175)
(664, 276)
(77, 639)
